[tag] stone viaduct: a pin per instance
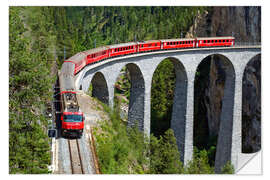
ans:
(103, 76)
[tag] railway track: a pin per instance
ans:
(75, 157)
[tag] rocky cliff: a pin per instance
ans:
(244, 23)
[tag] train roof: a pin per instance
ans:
(95, 50)
(77, 57)
(71, 102)
(66, 77)
(149, 41)
(181, 39)
(122, 45)
(206, 38)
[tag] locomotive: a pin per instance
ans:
(72, 119)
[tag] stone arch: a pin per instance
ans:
(251, 106)
(137, 96)
(100, 88)
(178, 115)
(220, 107)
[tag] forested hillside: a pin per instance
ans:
(30, 88)
(82, 28)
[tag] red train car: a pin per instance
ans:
(122, 49)
(79, 60)
(97, 54)
(151, 45)
(178, 43)
(94, 55)
(215, 41)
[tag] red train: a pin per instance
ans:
(102, 53)
(72, 119)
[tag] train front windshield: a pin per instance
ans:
(72, 118)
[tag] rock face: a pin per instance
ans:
(244, 23)
(251, 109)
(213, 95)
